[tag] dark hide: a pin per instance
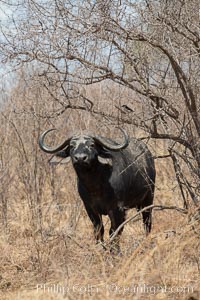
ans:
(110, 182)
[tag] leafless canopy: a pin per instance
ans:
(151, 47)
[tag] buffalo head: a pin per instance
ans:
(84, 150)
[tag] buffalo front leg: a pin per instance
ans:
(97, 223)
(117, 217)
(98, 228)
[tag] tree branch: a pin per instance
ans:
(150, 207)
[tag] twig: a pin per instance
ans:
(162, 156)
(157, 207)
(178, 173)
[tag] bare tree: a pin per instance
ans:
(151, 47)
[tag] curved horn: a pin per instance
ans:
(49, 149)
(109, 145)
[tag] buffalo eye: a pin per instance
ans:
(92, 145)
(72, 145)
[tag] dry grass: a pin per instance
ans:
(61, 261)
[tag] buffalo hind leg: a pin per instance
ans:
(147, 214)
(147, 220)
(117, 217)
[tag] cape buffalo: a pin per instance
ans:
(112, 177)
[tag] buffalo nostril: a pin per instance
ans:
(80, 158)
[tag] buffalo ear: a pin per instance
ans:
(61, 157)
(104, 160)
(104, 156)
